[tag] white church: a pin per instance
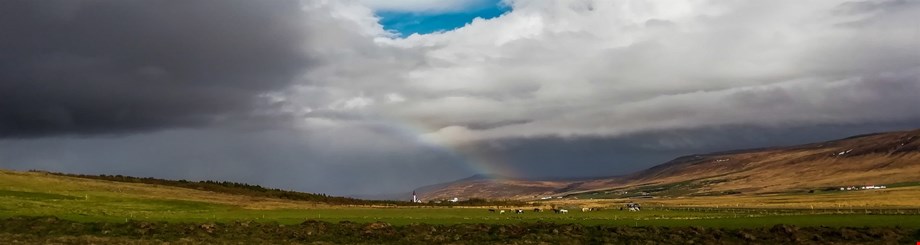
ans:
(415, 198)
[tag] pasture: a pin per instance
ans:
(37, 208)
(199, 212)
(84, 200)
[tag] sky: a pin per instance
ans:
(371, 97)
(405, 22)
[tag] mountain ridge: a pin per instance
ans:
(865, 158)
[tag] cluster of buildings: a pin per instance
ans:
(415, 199)
(868, 187)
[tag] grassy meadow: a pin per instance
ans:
(86, 200)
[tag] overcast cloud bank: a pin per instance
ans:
(130, 72)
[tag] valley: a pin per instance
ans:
(891, 159)
(740, 197)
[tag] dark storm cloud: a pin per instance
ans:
(100, 67)
(585, 157)
(333, 160)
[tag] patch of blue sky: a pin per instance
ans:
(408, 23)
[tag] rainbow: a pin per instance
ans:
(477, 161)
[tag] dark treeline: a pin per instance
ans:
(244, 189)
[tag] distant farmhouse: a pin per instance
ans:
(868, 187)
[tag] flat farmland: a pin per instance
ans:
(42, 208)
(36, 194)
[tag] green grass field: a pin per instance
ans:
(35, 194)
(186, 211)
(90, 211)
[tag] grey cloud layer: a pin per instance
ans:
(548, 68)
(340, 160)
(582, 68)
(99, 67)
(556, 88)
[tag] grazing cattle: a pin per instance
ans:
(563, 211)
(555, 210)
(519, 211)
(491, 210)
(633, 207)
(537, 210)
(501, 211)
(585, 209)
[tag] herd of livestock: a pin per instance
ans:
(633, 207)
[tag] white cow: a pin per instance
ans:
(563, 211)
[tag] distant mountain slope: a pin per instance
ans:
(880, 158)
(491, 187)
(384, 196)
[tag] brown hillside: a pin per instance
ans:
(492, 188)
(882, 158)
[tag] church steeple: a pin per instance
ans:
(414, 199)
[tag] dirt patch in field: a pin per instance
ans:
(47, 230)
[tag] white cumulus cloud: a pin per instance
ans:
(603, 68)
(429, 6)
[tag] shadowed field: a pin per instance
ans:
(52, 230)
